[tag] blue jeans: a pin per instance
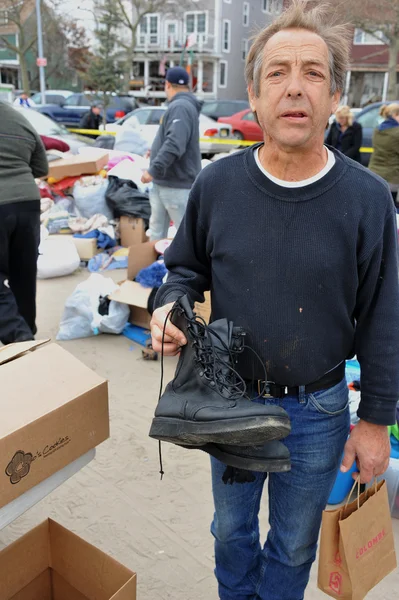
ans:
(167, 204)
(280, 571)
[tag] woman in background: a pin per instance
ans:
(385, 158)
(345, 134)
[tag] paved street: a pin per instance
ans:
(158, 529)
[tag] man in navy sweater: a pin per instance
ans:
(298, 245)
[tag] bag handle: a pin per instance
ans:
(357, 482)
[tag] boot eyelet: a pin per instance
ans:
(213, 384)
(201, 373)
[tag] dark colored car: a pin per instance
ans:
(369, 118)
(223, 108)
(77, 105)
(244, 126)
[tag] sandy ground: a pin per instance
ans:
(158, 529)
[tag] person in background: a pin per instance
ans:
(92, 119)
(385, 158)
(345, 134)
(24, 101)
(175, 155)
(22, 158)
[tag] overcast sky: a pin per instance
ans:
(81, 10)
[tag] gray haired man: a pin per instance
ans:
(298, 245)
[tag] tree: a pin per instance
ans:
(131, 13)
(380, 18)
(104, 72)
(17, 14)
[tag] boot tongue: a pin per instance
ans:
(221, 341)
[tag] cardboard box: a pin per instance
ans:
(132, 231)
(86, 247)
(75, 166)
(53, 410)
(136, 296)
(52, 563)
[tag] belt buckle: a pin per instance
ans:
(261, 384)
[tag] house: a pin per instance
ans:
(367, 78)
(211, 39)
(9, 62)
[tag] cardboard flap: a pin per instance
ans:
(31, 551)
(13, 351)
(140, 257)
(132, 293)
(85, 568)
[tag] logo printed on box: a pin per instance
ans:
(19, 466)
(336, 582)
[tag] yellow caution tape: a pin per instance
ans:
(209, 140)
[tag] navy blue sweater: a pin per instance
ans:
(310, 273)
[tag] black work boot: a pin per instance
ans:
(206, 401)
(272, 457)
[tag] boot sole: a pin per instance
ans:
(260, 465)
(248, 431)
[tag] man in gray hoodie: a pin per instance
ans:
(175, 155)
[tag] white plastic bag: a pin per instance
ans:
(89, 195)
(81, 317)
(57, 256)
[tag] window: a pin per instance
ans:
(272, 6)
(149, 30)
(156, 117)
(4, 17)
(73, 100)
(223, 74)
(197, 22)
(363, 37)
(227, 1)
(244, 49)
(245, 14)
(249, 116)
(226, 35)
(371, 118)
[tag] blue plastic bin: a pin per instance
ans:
(342, 486)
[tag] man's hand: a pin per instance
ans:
(369, 445)
(174, 338)
(146, 177)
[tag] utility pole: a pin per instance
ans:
(41, 61)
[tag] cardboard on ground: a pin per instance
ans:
(52, 563)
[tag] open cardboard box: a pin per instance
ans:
(53, 410)
(136, 296)
(74, 166)
(51, 563)
(132, 231)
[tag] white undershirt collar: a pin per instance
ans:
(297, 184)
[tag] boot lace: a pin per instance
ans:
(215, 367)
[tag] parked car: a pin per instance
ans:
(223, 108)
(369, 118)
(244, 126)
(147, 121)
(45, 126)
(77, 105)
(52, 97)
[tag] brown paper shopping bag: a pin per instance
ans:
(356, 545)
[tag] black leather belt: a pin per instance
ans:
(275, 390)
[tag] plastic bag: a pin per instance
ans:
(89, 194)
(130, 140)
(81, 316)
(57, 257)
(124, 199)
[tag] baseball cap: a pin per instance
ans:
(177, 76)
